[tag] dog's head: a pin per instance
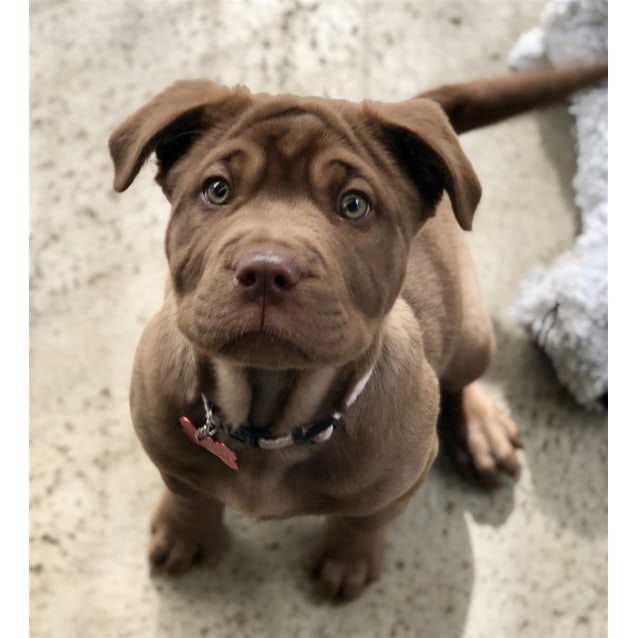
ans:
(291, 217)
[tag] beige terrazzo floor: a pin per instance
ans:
(529, 560)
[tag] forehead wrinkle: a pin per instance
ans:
(291, 141)
(295, 106)
(231, 151)
(337, 168)
(369, 140)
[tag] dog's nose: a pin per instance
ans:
(266, 275)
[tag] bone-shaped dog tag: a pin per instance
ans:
(206, 441)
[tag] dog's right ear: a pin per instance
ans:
(168, 124)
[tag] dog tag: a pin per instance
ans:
(206, 441)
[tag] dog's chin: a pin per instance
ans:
(262, 349)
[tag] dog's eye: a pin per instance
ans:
(216, 191)
(353, 206)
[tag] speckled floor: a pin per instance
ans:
(527, 561)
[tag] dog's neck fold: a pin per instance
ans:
(277, 399)
(282, 400)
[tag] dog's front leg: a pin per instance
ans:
(186, 527)
(349, 552)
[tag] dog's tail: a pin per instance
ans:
(475, 104)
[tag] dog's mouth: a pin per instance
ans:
(291, 334)
(252, 337)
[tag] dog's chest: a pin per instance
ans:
(262, 488)
(292, 482)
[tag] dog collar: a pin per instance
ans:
(206, 436)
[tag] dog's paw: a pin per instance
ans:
(180, 541)
(171, 554)
(481, 439)
(342, 564)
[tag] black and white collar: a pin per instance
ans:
(254, 436)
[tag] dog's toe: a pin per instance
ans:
(329, 578)
(354, 582)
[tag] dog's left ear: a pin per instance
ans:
(418, 133)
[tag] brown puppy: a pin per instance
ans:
(321, 307)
